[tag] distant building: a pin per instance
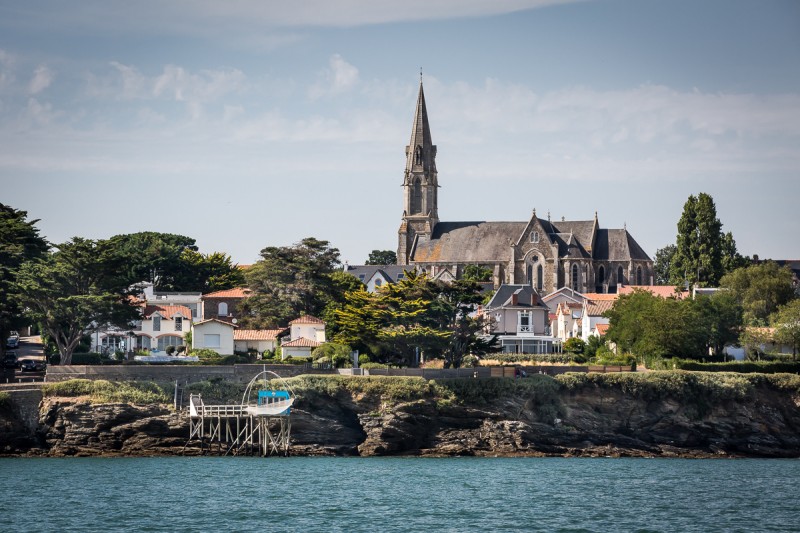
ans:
(375, 276)
(543, 253)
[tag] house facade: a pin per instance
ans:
(542, 252)
(223, 305)
(305, 334)
(374, 277)
(520, 320)
(260, 340)
(214, 334)
(162, 326)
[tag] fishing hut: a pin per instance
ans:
(259, 425)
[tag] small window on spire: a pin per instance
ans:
(418, 156)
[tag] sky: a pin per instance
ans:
(250, 123)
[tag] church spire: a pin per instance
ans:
(420, 152)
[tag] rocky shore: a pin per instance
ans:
(673, 414)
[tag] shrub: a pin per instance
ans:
(546, 358)
(5, 399)
(134, 392)
(363, 359)
(338, 354)
(469, 361)
(743, 367)
(170, 350)
(181, 349)
(574, 345)
(373, 365)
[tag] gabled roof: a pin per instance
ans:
(257, 334)
(302, 342)
(598, 307)
(206, 321)
(601, 328)
(469, 242)
(167, 311)
(566, 291)
(527, 297)
(617, 245)
(599, 296)
(388, 272)
(238, 292)
(307, 319)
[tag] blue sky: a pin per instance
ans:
(249, 124)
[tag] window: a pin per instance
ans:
(418, 155)
(222, 310)
(210, 340)
(361, 277)
(574, 277)
(620, 279)
(416, 197)
(156, 323)
(178, 323)
(400, 276)
(539, 280)
(168, 340)
(534, 236)
(524, 322)
(601, 274)
(530, 275)
(638, 275)
(378, 282)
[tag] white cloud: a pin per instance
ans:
(340, 76)
(42, 78)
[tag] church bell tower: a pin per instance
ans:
(420, 184)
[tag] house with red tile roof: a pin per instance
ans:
(306, 333)
(162, 326)
(223, 305)
(261, 340)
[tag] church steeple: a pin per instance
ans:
(420, 184)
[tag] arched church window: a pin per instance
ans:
(416, 197)
(639, 275)
(620, 279)
(601, 274)
(529, 272)
(539, 280)
(534, 236)
(574, 277)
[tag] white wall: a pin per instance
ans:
(225, 332)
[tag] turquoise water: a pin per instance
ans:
(398, 494)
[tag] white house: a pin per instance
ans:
(521, 320)
(592, 313)
(186, 299)
(306, 333)
(162, 326)
(261, 340)
(215, 335)
(568, 320)
(375, 276)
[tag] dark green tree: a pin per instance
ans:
(698, 254)
(70, 290)
(19, 242)
(760, 289)
(477, 273)
(731, 258)
(663, 264)
(197, 272)
(382, 257)
(721, 317)
(289, 281)
(152, 257)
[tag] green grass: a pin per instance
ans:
(5, 399)
(102, 391)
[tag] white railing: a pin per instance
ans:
(524, 328)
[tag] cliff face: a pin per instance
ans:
(595, 418)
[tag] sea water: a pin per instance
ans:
(398, 494)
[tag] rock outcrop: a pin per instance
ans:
(593, 419)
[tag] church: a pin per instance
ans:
(546, 254)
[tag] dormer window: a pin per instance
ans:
(534, 237)
(156, 323)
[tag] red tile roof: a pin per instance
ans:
(597, 308)
(598, 296)
(306, 319)
(167, 311)
(238, 292)
(302, 342)
(601, 328)
(664, 291)
(256, 334)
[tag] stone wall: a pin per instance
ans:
(182, 373)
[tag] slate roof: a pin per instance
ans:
(473, 242)
(617, 245)
(390, 272)
(167, 311)
(486, 242)
(257, 334)
(526, 297)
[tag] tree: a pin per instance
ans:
(337, 354)
(722, 319)
(477, 273)
(760, 289)
(19, 242)
(73, 288)
(194, 271)
(575, 345)
(663, 264)
(382, 257)
(786, 321)
(416, 313)
(698, 254)
(152, 257)
(341, 283)
(289, 281)
(731, 258)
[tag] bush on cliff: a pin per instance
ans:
(102, 391)
(5, 399)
